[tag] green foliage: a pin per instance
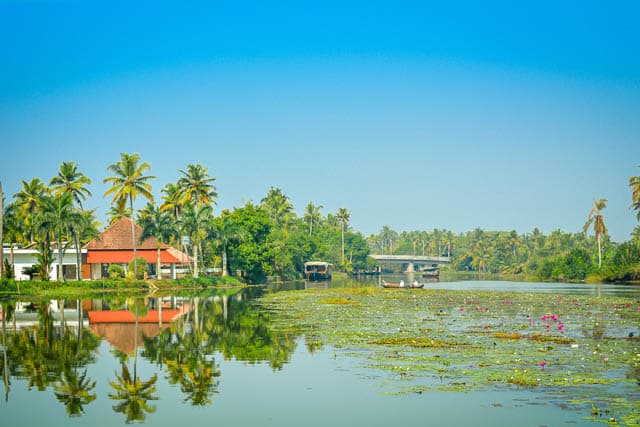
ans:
(115, 271)
(142, 267)
(7, 270)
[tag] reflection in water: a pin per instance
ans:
(133, 393)
(187, 341)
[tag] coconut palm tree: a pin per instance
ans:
(597, 219)
(191, 224)
(196, 186)
(158, 224)
(634, 183)
(277, 205)
(127, 183)
(59, 215)
(70, 180)
(171, 200)
(224, 231)
(343, 216)
(28, 200)
(312, 215)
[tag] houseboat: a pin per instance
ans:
(317, 270)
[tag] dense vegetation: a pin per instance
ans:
(264, 239)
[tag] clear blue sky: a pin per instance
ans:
(409, 114)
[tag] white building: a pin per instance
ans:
(26, 258)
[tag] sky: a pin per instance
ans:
(415, 115)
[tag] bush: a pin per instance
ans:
(142, 267)
(115, 271)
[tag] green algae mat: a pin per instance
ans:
(578, 350)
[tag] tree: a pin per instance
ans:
(196, 186)
(158, 224)
(224, 230)
(127, 183)
(197, 190)
(28, 200)
(171, 200)
(1, 231)
(634, 183)
(277, 205)
(70, 180)
(597, 219)
(312, 215)
(59, 215)
(190, 224)
(343, 216)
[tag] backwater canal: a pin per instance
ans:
(344, 353)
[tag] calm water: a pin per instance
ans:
(215, 361)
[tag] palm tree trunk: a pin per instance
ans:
(342, 242)
(599, 252)
(195, 260)
(158, 263)
(133, 234)
(78, 260)
(60, 275)
(225, 271)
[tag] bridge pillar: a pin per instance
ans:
(410, 268)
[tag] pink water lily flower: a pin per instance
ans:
(543, 364)
(560, 326)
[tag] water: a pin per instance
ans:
(219, 363)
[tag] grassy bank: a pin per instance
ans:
(37, 287)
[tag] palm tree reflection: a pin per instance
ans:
(132, 392)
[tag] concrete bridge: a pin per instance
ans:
(412, 260)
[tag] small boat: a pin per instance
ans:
(414, 285)
(431, 273)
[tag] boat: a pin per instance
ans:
(317, 270)
(434, 273)
(414, 285)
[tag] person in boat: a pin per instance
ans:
(402, 283)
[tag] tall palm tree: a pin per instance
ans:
(312, 215)
(70, 180)
(343, 216)
(28, 200)
(277, 205)
(191, 224)
(171, 201)
(223, 230)
(60, 216)
(127, 183)
(597, 219)
(634, 183)
(196, 186)
(158, 224)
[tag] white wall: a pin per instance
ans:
(28, 257)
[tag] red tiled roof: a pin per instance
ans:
(118, 236)
(167, 256)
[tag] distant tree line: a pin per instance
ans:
(556, 256)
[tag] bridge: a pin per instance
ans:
(412, 260)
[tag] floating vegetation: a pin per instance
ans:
(581, 347)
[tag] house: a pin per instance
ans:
(115, 246)
(26, 258)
